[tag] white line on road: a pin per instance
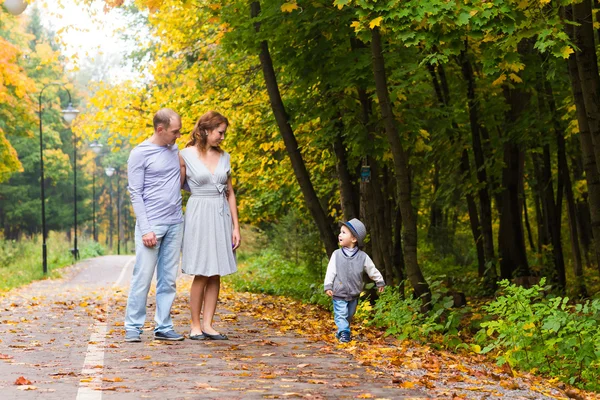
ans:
(123, 271)
(93, 365)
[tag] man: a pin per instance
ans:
(154, 186)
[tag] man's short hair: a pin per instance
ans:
(163, 117)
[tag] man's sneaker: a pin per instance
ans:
(132, 336)
(344, 337)
(169, 335)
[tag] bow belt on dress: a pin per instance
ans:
(221, 192)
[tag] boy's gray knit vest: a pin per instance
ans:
(348, 282)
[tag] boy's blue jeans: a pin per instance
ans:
(164, 258)
(343, 311)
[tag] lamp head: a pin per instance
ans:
(96, 147)
(70, 113)
(15, 7)
(109, 171)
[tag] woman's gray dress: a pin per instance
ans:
(207, 243)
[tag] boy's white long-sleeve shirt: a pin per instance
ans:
(353, 287)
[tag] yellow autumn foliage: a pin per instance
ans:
(193, 79)
(15, 101)
(289, 6)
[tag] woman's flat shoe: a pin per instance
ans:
(218, 336)
(199, 336)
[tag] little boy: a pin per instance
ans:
(343, 280)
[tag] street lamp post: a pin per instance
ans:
(97, 148)
(69, 115)
(110, 171)
(75, 250)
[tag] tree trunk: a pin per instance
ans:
(374, 194)
(587, 66)
(435, 232)
(511, 238)
(540, 207)
(552, 209)
(565, 186)
(349, 205)
(378, 186)
(582, 210)
(313, 204)
(398, 253)
(485, 202)
(388, 196)
(528, 225)
(400, 158)
(474, 221)
(435, 211)
(372, 222)
(587, 147)
(443, 94)
(591, 172)
(554, 221)
(596, 6)
(542, 236)
(580, 287)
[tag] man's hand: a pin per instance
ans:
(149, 239)
(380, 289)
(329, 293)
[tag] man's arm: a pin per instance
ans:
(136, 172)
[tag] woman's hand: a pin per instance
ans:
(329, 293)
(236, 238)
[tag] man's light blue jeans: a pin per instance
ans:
(164, 258)
(343, 311)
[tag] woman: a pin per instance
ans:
(211, 230)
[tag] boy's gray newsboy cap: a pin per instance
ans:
(357, 229)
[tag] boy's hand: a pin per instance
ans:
(329, 293)
(380, 289)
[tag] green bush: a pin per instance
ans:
(9, 250)
(402, 317)
(533, 332)
(295, 238)
(458, 273)
(91, 249)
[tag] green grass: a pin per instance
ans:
(270, 273)
(21, 261)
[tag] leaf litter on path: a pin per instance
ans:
(408, 364)
(278, 347)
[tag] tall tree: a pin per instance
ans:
(402, 174)
(321, 219)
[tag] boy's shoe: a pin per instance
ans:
(132, 336)
(168, 335)
(344, 337)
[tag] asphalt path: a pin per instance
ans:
(63, 339)
(45, 328)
